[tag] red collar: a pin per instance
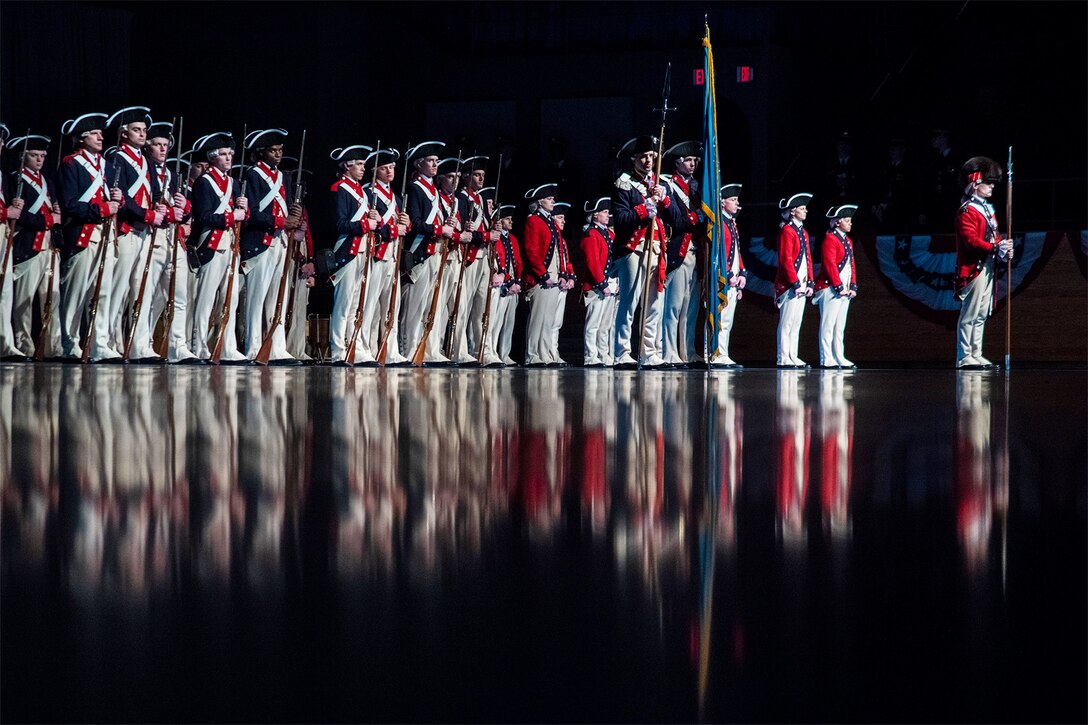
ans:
(132, 153)
(426, 183)
(273, 173)
(384, 189)
(96, 160)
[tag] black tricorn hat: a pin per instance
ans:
(131, 114)
(423, 150)
(381, 157)
(161, 129)
(448, 166)
(350, 153)
(685, 149)
(474, 163)
(213, 141)
(636, 146)
(982, 169)
(262, 139)
(730, 190)
(82, 124)
(5, 132)
(796, 200)
(592, 207)
(542, 192)
(504, 211)
(841, 212)
(34, 142)
(560, 208)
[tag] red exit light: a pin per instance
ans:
(745, 74)
(698, 77)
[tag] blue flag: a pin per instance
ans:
(712, 204)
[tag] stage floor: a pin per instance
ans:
(322, 544)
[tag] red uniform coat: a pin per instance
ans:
(542, 242)
(793, 241)
(508, 258)
(597, 248)
(836, 251)
(976, 239)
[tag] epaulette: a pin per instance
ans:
(70, 157)
(624, 182)
(336, 185)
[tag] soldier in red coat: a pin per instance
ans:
(793, 283)
(977, 243)
(599, 285)
(836, 286)
(545, 283)
(505, 288)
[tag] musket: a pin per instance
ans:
(47, 313)
(368, 249)
(451, 323)
(104, 243)
(390, 314)
(11, 226)
(300, 194)
(147, 268)
(421, 348)
(1008, 270)
(490, 271)
(651, 233)
(224, 319)
(266, 345)
(163, 348)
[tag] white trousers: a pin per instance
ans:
(76, 287)
(790, 312)
(600, 327)
(725, 326)
(973, 315)
(833, 311)
(296, 333)
(417, 302)
(347, 283)
(211, 283)
(263, 275)
(7, 294)
(678, 342)
(375, 308)
(546, 305)
(631, 274)
(31, 278)
(500, 327)
(470, 320)
(181, 330)
(131, 248)
(160, 260)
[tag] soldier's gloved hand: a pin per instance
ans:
(740, 295)
(374, 217)
(515, 288)
(239, 215)
(56, 208)
(242, 202)
(466, 237)
(115, 195)
(734, 281)
(160, 214)
(113, 206)
(808, 291)
(658, 193)
(14, 212)
(179, 200)
(448, 231)
(307, 270)
(1005, 249)
(801, 292)
(497, 279)
(651, 209)
(741, 280)
(403, 220)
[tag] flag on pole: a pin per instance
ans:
(718, 284)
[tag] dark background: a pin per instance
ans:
(587, 74)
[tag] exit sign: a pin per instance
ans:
(745, 74)
(698, 76)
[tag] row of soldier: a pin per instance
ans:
(430, 276)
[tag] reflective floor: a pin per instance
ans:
(324, 544)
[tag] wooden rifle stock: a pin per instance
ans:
(421, 348)
(265, 352)
(163, 348)
(490, 270)
(11, 233)
(47, 313)
(104, 243)
(368, 250)
(143, 278)
(224, 319)
(390, 314)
